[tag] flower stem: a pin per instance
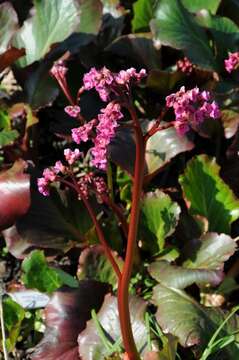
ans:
(99, 231)
(123, 290)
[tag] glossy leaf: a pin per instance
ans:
(65, 317)
(90, 343)
(13, 316)
(9, 24)
(138, 48)
(208, 195)
(179, 277)
(210, 251)
(174, 26)
(38, 275)
(197, 5)
(14, 194)
(159, 217)
(93, 264)
(230, 122)
(90, 16)
(62, 17)
(193, 324)
(144, 11)
(160, 149)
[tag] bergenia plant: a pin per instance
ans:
(190, 107)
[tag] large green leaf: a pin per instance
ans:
(91, 16)
(210, 251)
(174, 26)
(159, 217)
(191, 322)
(9, 24)
(196, 5)
(8, 137)
(179, 277)
(90, 342)
(208, 195)
(52, 22)
(38, 275)
(143, 13)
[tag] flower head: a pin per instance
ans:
(72, 156)
(185, 65)
(191, 108)
(73, 111)
(232, 62)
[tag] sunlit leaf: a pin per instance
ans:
(197, 5)
(159, 217)
(9, 24)
(208, 195)
(52, 22)
(174, 26)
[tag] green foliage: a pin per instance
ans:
(13, 315)
(208, 195)
(62, 18)
(9, 24)
(159, 218)
(175, 26)
(38, 275)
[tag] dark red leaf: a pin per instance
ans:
(66, 316)
(9, 56)
(14, 194)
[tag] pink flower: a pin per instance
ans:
(232, 62)
(82, 133)
(73, 111)
(108, 122)
(106, 82)
(43, 186)
(49, 175)
(58, 70)
(72, 156)
(185, 65)
(59, 167)
(191, 108)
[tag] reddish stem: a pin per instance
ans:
(99, 231)
(123, 290)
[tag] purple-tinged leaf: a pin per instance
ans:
(193, 324)
(160, 149)
(90, 343)
(65, 316)
(9, 25)
(179, 277)
(14, 194)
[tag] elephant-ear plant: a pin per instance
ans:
(190, 108)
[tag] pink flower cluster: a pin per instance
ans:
(191, 108)
(105, 81)
(73, 111)
(105, 130)
(232, 62)
(82, 133)
(58, 70)
(50, 174)
(185, 65)
(90, 182)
